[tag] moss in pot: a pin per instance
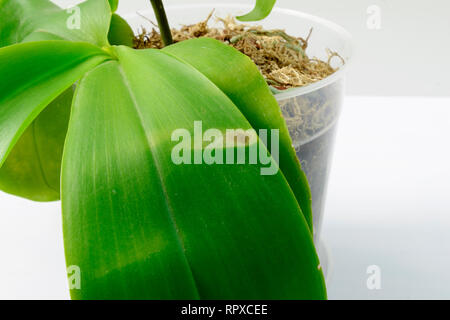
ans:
(137, 225)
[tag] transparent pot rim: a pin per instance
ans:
(343, 34)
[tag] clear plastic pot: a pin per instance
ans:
(311, 112)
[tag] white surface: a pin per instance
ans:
(388, 205)
(32, 264)
(408, 55)
(389, 199)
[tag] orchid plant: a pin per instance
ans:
(87, 119)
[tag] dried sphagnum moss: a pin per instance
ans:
(280, 57)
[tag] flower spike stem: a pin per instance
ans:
(163, 23)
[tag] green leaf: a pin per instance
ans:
(114, 4)
(31, 20)
(120, 32)
(17, 18)
(140, 226)
(33, 75)
(32, 170)
(262, 9)
(238, 77)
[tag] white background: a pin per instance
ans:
(408, 55)
(389, 195)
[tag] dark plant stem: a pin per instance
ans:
(163, 23)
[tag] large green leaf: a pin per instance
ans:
(238, 77)
(262, 9)
(34, 75)
(140, 226)
(32, 170)
(32, 20)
